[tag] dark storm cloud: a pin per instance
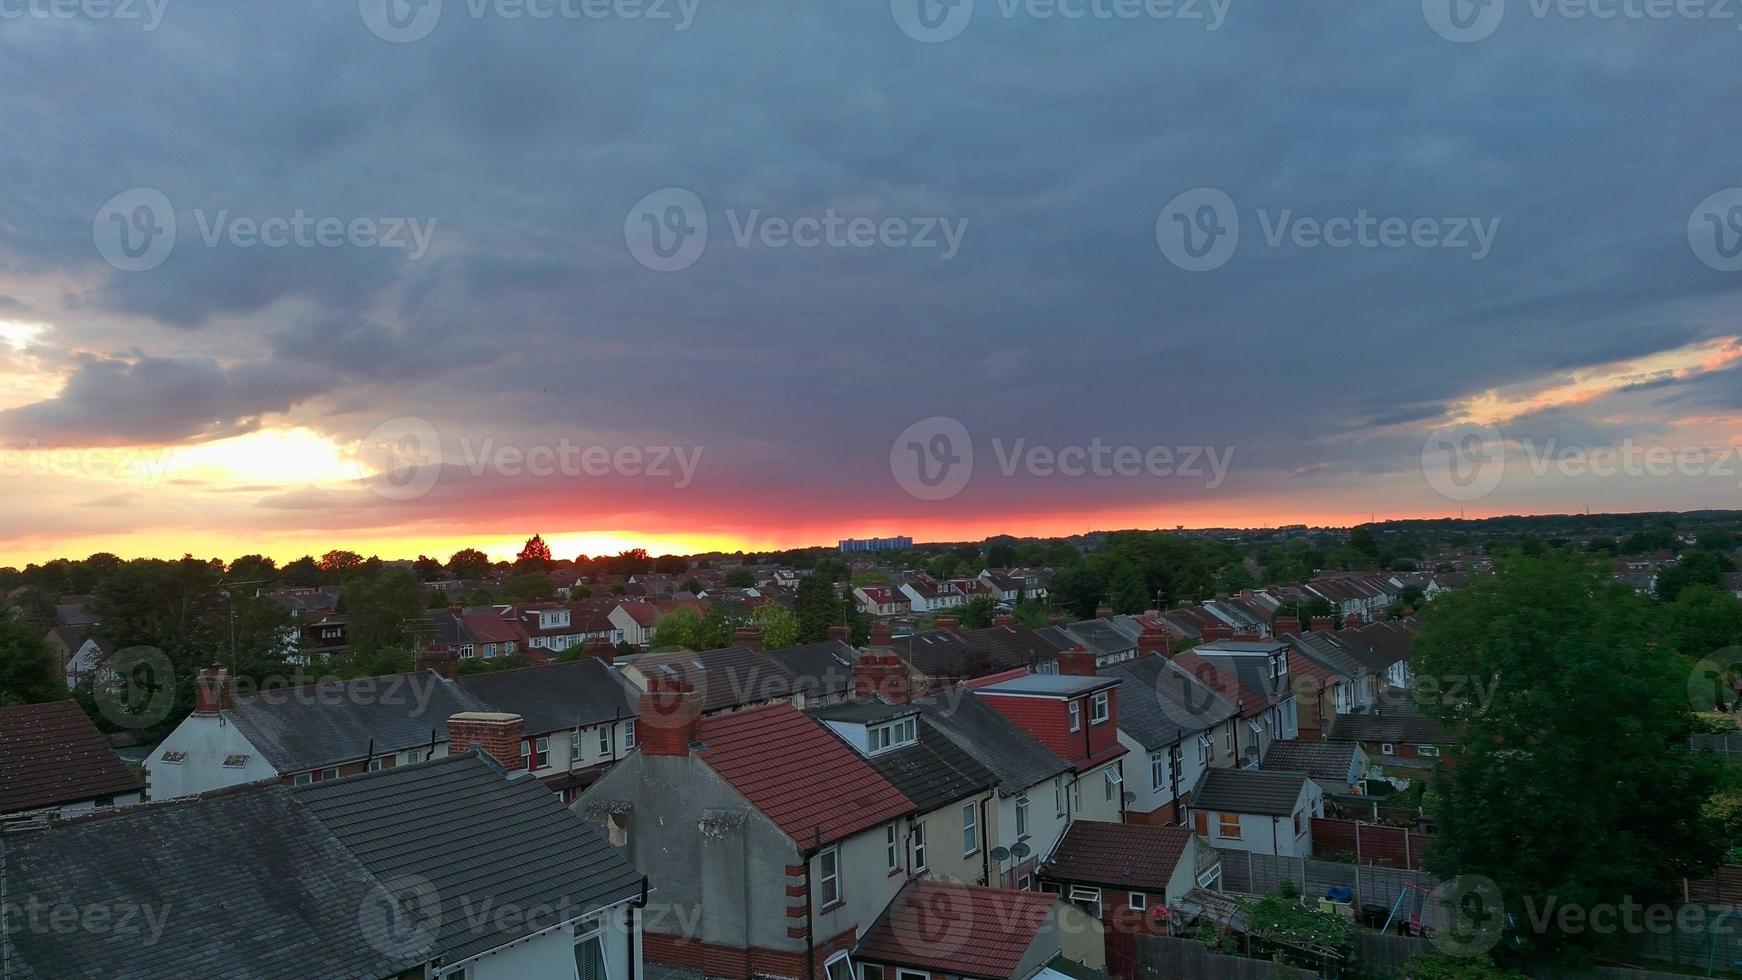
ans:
(1059, 141)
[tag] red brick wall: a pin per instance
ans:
(1048, 720)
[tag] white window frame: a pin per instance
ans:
(870, 971)
(1206, 745)
(1113, 778)
(1138, 901)
(829, 875)
(839, 958)
(918, 847)
(604, 740)
(629, 734)
(892, 848)
(970, 829)
(593, 930)
(1100, 708)
(1021, 817)
(1387, 748)
(1157, 762)
(901, 974)
(1076, 711)
(1081, 894)
(1428, 751)
(575, 746)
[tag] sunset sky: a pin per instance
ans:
(397, 395)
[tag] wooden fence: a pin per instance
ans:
(1167, 958)
(1263, 874)
(1369, 843)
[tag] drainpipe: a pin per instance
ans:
(985, 850)
(810, 926)
(639, 903)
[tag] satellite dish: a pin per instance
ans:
(1000, 854)
(1130, 797)
(1020, 850)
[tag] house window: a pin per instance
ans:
(892, 852)
(1021, 817)
(919, 847)
(1058, 792)
(870, 971)
(1024, 883)
(1228, 739)
(302, 779)
(1158, 769)
(911, 975)
(237, 761)
(1299, 823)
(1428, 751)
(330, 773)
(575, 746)
(1076, 716)
(629, 734)
(970, 829)
(1077, 796)
(590, 952)
(1098, 708)
(604, 739)
(1087, 899)
(374, 765)
(1228, 825)
(1387, 749)
(1114, 780)
(1139, 902)
(536, 753)
(829, 878)
(1204, 747)
(838, 967)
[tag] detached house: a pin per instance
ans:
(1129, 873)
(1257, 811)
(370, 878)
(78, 651)
(54, 761)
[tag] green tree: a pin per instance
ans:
(1126, 591)
(677, 630)
(817, 606)
(779, 626)
(335, 565)
(28, 672)
(739, 578)
(1575, 730)
(977, 613)
(469, 563)
(1694, 568)
(304, 573)
(1702, 620)
(1077, 591)
(529, 587)
(378, 608)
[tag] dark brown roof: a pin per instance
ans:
(1330, 761)
(1249, 791)
(958, 929)
(1414, 729)
(51, 754)
(1118, 855)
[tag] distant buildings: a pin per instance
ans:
(851, 545)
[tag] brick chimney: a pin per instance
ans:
(1154, 639)
(669, 718)
(442, 659)
(1077, 662)
(883, 675)
(1285, 626)
(496, 732)
(879, 635)
(600, 650)
(950, 623)
(1218, 631)
(748, 636)
(212, 691)
(1056, 620)
(1352, 620)
(841, 633)
(1248, 636)
(1103, 610)
(1321, 623)
(1005, 620)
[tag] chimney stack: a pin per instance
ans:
(1321, 623)
(950, 623)
(600, 649)
(495, 732)
(442, 659)
(1218, 631)
(879, 635)
(1005, 620)
(1154, 639)
(1286, 626)
(1103, 610)
(1352, 620)
(748, 636)
(1056, 619)
(841, 633)
(1077, 662)
(1245, 595)
(212, 691)
(883, 676)
(669, 718)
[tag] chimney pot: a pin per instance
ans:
(1005, 620)
(1286, 626)
(497, 733)
(1154, 640)
(1103, 610)
(950, 623)
(669, 718)
(1321, 623)
(443, 660)
(1077, 662)
(841, 633)
(879, 635)
(748, 636)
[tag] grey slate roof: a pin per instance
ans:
(245, 885)
(479, 840)
(1329, 761)
(935, 772)
(1159, 705)
(326, 724)
(1014, 756)
(560, 696)
(824, 668)
(1248, 791)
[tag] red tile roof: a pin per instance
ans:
(798, 774)
(958, 929)
(51, 754)
(1118, 855)
(492, 628)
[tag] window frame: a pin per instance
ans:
(892, 848)
(1137, 901)
(1088, 894)
(918, 838)
(1076, 715)
(1022, 817)
(839, 957)
(829, 873)
(1100, 708)
(970, 829)
(1223, 823)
